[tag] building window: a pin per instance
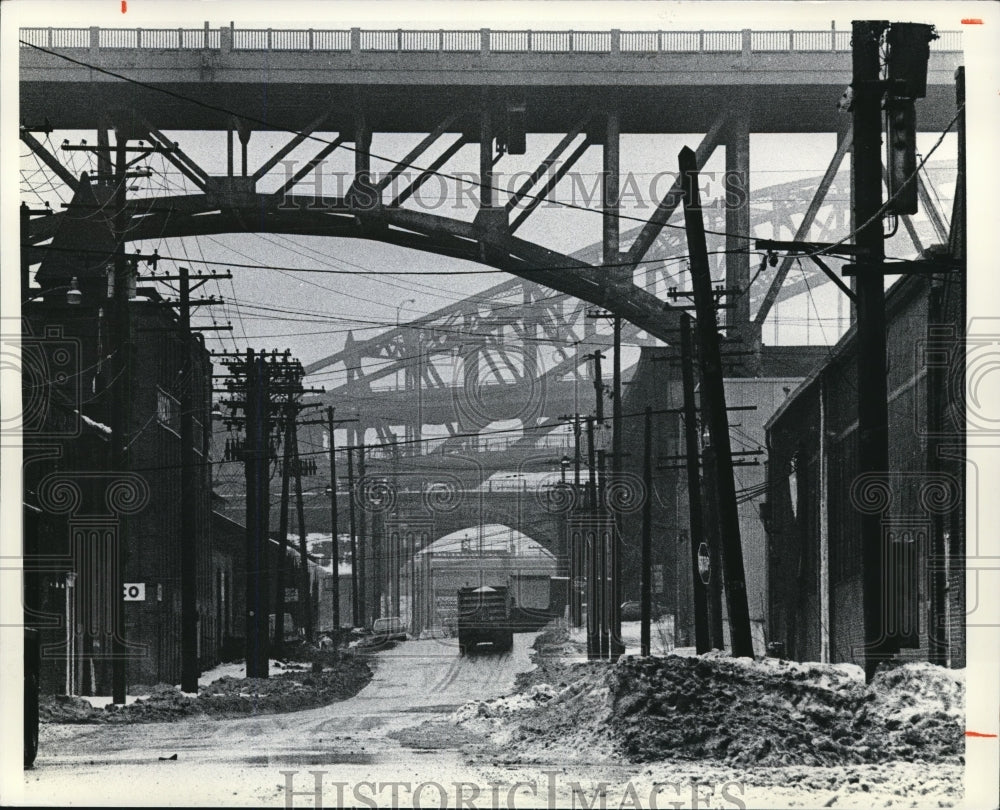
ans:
(167, 411)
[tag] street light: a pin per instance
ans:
(73, 294)
(400, 305)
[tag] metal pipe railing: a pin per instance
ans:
(484, 41)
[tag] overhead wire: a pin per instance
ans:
(395, 162)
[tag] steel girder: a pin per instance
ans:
(196, 215)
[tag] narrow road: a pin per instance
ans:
(391, 745)
(239, 761)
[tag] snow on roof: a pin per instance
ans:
(491, 538)
(517, 481)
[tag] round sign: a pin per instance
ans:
(704, 564)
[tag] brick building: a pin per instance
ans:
(77, 506)
(814, 501)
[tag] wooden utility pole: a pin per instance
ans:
(257, 509)
(598, 386)
(590, 544)
(714, 400)
(602, 555)
(363, 544)
(355, 575)
(286, 473)
(710, 524)
(120, 410)
(334, 530)
(699, 591)
(189, 497)
(576, 551)
(305, 591)
(873, 416)
(617, 646)
(646, 574)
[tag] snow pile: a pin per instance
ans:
(165, 702)
(65, 709)
(504, 707)
(772, 713)
(566, 720)
(914, 690)
(737, 712)
(238, 669)
(290, 689)
(563, 710)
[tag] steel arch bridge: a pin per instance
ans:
(493, 99)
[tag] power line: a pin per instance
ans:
(392, 161)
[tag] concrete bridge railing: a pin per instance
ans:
(482, 41)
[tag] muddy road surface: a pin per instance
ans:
(396, 743)
(240, 761)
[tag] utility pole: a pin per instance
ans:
(598, 386)
(286, 472)
(256, 379)
(305, 592)
(120, 409)
(576, 552)
(702, 642)
(714, 400)
(189, 541)
(710, 512)
(590, 543)
(873, 433)
(599, 570)
(646, 585)
(575, 545)
(333, 525)
(355, 604)
(363, 538)
(257, 507)
(617, 646)
(602, 557)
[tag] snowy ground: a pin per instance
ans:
(234, 670)
(399, 742)
(661, 639)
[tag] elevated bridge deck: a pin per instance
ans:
(787, 81)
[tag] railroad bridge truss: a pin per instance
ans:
(504, 353)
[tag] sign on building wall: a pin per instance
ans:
(134, 591)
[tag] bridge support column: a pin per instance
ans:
(611, 181)
(244, 132)
(485, 156)
(362, 145)
(737, 202)
(104, 168)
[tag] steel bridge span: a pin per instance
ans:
(491, 88)
(488, 89)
